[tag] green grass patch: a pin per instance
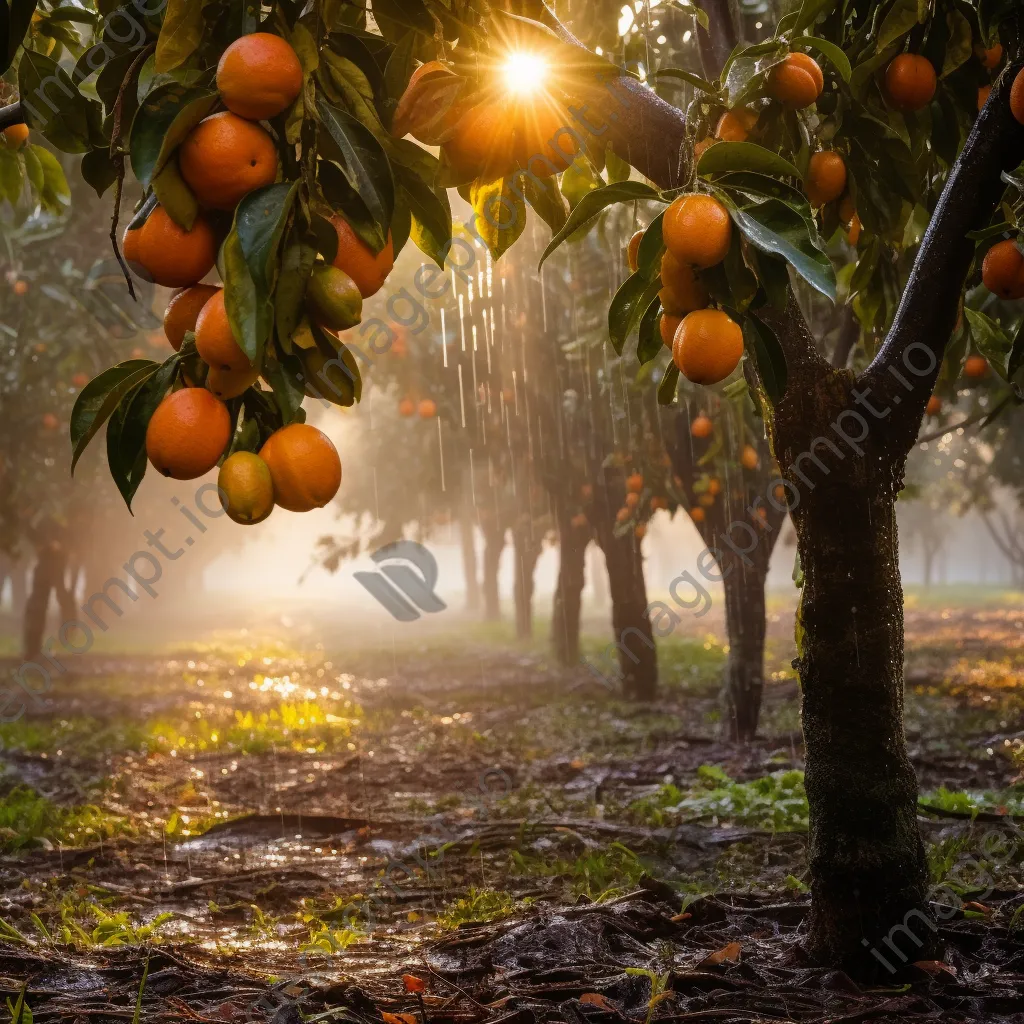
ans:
(597, 874)
(480, 905)
(26, 817)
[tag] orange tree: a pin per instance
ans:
(889, 87)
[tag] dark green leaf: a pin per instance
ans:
(53, 106)
(649, 343)
(596, 201)
(162, 121)
(630, 302)
(744, 156)
(180, 34)
(810, 11)
(668, 385)
(833, 53)
(289, 295)
(648, 256)
(260, 221)
(991, 341)
(432, 216)
(686, 76)
(768, 356)
(249, 310)
(14, 25)
(98, 170)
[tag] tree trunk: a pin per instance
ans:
(467, 539)
(527, 551)
(494, 544)
(743, 681)
(47, 576)
(631, 623)
(568, 600)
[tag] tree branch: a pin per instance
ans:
(720, 37)
(11, 114)
(928, 311)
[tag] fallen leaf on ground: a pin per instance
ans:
(399, 1018)
(596, 999)
(413, 984)
(727, 954)
(935, 967)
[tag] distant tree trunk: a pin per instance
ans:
(565, 619)
(467, 540)
(743, 681)
(526, 546)
(47, 577)
(494, 545)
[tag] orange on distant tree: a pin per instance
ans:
(707, 499)
(20, 287)
(259, 76)
(708, 346)
(632, 500)
(246, 489)
(635, 483)
(697, 514)
(910, 82)
(623, 515)
(749, 458)
(215, 340)
(853, 230)
(1017, 97)
(633, 250)
(702, 147)
(227, 384)
(586, 492)
(15, 136)
(304, 466)
(640, 531)
(826, 178)
(406, 407)
(50, 422)
(80, 380)
(797, 82)
(735, 125)
(714, 486)
(170, 255)
(991, 56)
(976, 367)
(187, 434)
(983, 94)
(658, 502)
(934, 406)
(357, 259)
(225, 157)
(482, 142)
(683, 291)
(668, 324)
(1002, 270)
(701, 427)
(427, 408)
(697, 230)
(183, 310)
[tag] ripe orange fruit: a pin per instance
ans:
(632, 250)
(227, 384)
(427, 409)
(735, 125)
(355, 257)
(990, 57)
(853, 231)
(483, 142)
(640, 531)
(780, 493)
(188, 434)
(1017, 97)
(749, 458)
(714, 486)
(258, 76)
(682, 291)
(697, 514)
(983, 94)
(1002, 270)
(659, 502)
(215, 341)
(668, 324)
(708, 346)
(796, 82)
(304, 466)
(169, 255)
(826, 178)
(635, 483)
(632, 500)
(910, 82)
(246, 489)
(976, 367)
(183, 310)
(586, 492)
(542, 145)
(934, 406)
(847, 211)
(80, 380)
(50, 422)
(579, 520)
(697, 230)
(15, 136)
(412, 115)
(706, 499)
(20, 287)
(225, 157)
(701, 427)
(406, 407)
(623, 515)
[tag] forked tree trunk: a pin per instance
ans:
(467, 541)
(526, 546)
(47, 577)
(743, 679)
(568, 600)
(494, 545)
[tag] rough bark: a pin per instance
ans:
(467, 542)
(568, 599)
(526, 546)
(47, 578)
(494, 545)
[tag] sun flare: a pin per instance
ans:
(524, 72)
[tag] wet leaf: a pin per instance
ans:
(500, 214)
(180, 34)
(729, 954)
(413, 984)
(162, 121)
(596, 999)
(744, 156)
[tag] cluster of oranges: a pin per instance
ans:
(426, 407)
(225, 157)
